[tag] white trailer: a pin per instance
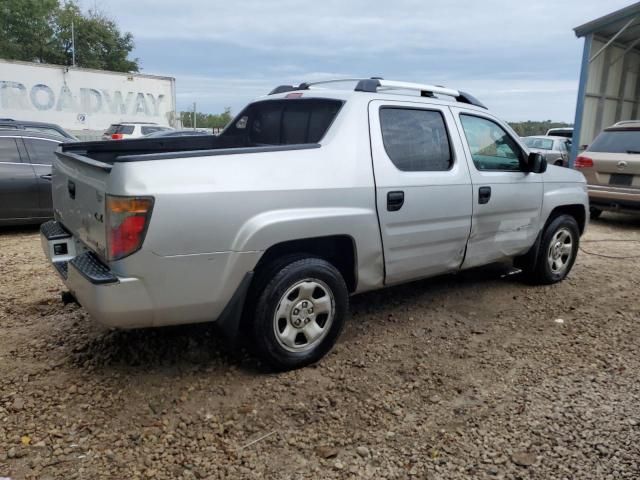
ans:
(81, 100)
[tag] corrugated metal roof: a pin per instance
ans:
(610, 24)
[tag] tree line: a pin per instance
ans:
(207, 120)
(530, 127)
(41, 31)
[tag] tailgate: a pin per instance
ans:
(616, 168)
(78, 189)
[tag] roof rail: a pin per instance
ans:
(375, 84)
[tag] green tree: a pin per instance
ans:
(207, 120)
(40, 31)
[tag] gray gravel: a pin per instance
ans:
(467, 376)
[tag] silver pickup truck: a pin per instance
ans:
(313, 193)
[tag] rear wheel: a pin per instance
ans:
(558, 250)
(299, 313)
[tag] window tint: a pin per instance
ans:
(415, 140)
(616, 141)
(282, 122)
(41, 151)
(490, 146)
(9, 151)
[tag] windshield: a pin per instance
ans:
(617, 141)
(539, 143)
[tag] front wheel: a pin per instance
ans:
(299, 313)
(558, 250)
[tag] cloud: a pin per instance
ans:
(519, 57)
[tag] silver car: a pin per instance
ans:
(554, 149)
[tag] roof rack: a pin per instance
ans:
(375, 84)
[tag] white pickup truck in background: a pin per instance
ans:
(311, 194)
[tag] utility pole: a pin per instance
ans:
(194, 115)
(73, 45)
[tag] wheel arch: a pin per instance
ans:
(339, 250)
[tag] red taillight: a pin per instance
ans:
(127, 220)
(583, 162)
(117, 136)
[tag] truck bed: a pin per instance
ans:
(110, 151)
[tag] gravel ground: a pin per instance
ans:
(470, 376)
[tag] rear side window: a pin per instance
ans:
(284, 122)
(148, 130)
(617, 141)
(41, 151)
(416, 140)
(9, 151)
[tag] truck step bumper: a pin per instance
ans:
(112, 300)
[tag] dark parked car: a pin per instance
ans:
(25, 176)
(41, 127)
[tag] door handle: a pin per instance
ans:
(484, 195)
(395, 200)
(46, 177)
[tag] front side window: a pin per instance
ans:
(41, 151)
(490, 145)
(416, 140)
(9, 151)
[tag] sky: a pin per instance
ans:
(521, 59)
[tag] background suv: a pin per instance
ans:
(122, 131)
(611, 165)
(25, 176)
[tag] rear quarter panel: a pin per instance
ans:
(247, 203)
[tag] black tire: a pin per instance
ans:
(543, 273)
(268, 293)
(559, 163)
(595, 212)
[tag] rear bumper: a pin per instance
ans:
(112, 300)
(614, 198)
(161, 290)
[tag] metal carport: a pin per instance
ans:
(609, 89)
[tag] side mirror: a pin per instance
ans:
(536, 163)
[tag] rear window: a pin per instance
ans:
(284, 122)
(540, 143)
(560, 133)
(617, 141)
(116, 128)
